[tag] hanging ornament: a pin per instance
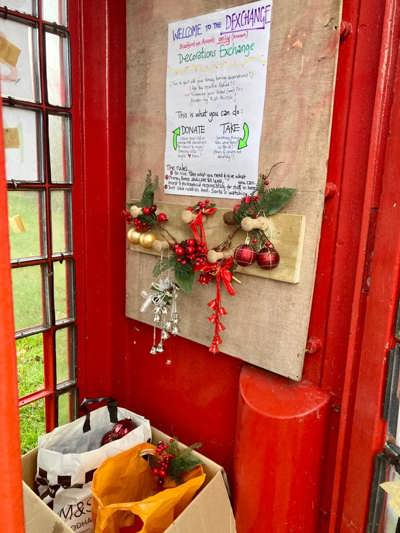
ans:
(268, 258)
(147, 239)
(133, 236)
(244, 255)
(163, 296)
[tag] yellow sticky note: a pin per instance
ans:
(9, 52)
(11, 138)
(17, 224)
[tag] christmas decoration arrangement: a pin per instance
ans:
(182, 261)
(172, 465)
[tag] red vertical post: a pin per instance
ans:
(11, 510)
(280, 442)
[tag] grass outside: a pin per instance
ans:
(29, 309)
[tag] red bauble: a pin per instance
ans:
(244, 255)
(268, 258)
(162, 217)
(120, 429)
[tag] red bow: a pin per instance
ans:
(222, 272)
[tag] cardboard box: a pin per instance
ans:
(209, 512)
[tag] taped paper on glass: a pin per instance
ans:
(11, 138)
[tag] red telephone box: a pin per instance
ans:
(304, 456)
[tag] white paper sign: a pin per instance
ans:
(217, 68)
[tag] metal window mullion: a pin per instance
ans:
(34, 396)
(9, 101)
(49, 335)
(24, 18)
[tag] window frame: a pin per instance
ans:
(51, 391)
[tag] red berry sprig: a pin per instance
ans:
(147, 219)
(163, 459)
(190, 252)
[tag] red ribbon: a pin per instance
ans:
(198, 229)
(223, 275)
(197, 226)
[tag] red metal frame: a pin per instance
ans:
(366, 428)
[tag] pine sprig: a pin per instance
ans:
(183, 460)
(274, 200)
(150, 187)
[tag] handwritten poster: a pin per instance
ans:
(216, 77)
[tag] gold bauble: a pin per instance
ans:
(133, 236)
(146, 240)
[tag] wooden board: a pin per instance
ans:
(268, 320)
(286, 232)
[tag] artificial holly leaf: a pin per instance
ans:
(184, 277)
(275, 199)
(163, 264)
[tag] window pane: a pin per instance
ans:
(25, 211)
(55, 11)
(60, 221)
(57, 68)
(19, 61)
(28, 297)
(32, 422)
(23, 6)
(30, 364)
(64, 353)
(66, 408)
(22, 134)
(63, 290)
(60, 149)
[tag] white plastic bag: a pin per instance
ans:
(69, 455)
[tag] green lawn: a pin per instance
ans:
(29, 309)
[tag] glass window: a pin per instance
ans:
(38, 158)
(32, 424)
(63, 283)
(29, 297)
(65, 355)
(22, 131)
(61, 221)
(55, 11)
(19, 65)
(66, 408)
(30, 362)
(60, 148)
(57, 70)
(26, 212)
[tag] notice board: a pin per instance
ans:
(267, 322)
